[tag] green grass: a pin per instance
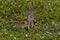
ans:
(47, 16)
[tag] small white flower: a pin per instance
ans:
(14, 37)
(26, 35)
(42, 37)
(58, 33)
(48, 32)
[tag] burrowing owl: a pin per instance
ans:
(30, 18)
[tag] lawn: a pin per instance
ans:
(46, 14)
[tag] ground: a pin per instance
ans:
(47, 16)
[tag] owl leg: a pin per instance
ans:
(29, 24)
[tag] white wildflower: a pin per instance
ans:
(59, 33)
(14, 37)
(26, 35)
(48, 32)
(42, 37)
